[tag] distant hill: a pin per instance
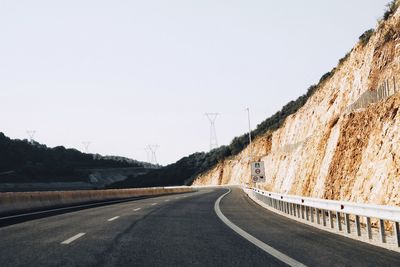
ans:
(22, 161)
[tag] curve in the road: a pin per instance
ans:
(270, 250)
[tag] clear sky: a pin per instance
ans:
(123, 74)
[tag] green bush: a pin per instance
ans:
(390, 9)
(364, 38)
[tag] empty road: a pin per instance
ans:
(180, 230)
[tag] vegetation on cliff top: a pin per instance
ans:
(391, 9)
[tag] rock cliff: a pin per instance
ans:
(344, 143)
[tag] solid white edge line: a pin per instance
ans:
(113, 218)
(270, 250)
(137, 209)
(72, 239)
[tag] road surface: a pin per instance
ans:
(179, 230)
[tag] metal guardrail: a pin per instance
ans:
(345, 217)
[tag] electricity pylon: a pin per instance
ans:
(31, 135)
(152, 150)
(86, 145)
(213, 132)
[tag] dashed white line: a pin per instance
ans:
(136, 209)
(270, 250)
(177, 198)
(113, 218)
(154, 204)
(72, 239)
(166, 200)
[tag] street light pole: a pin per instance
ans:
(250, 144)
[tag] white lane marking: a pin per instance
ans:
(154, 204)
(166, 200)
(72, 239)
(177, 198)
(137, 209)
(113, 218)
(270, 250)
(66, 208)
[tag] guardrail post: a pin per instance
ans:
(382, 230)
(369, 230)
(307, 217)
(358, 228)
(317, 214)
(324, 217)
(302, 211)
(331, 219)
(347, 219)
(294, 210)
(312, 214)
(338, 221)
(397, 233)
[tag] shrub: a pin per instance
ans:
(364, 38)
(390, 9)
(343, 59)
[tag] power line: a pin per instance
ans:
(212, 117)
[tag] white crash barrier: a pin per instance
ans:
(374, 223)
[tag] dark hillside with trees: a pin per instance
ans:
(23, 161)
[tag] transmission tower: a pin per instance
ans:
(86, 145)
(213, 133)
(152, 149)
(148, 153)
(31, 135)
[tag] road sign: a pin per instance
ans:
(258, 172)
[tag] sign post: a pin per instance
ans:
(258, 172)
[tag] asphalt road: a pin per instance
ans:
(178, 230)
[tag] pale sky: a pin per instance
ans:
(123, 74)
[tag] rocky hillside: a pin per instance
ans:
(344, 142)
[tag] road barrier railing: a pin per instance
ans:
(19, 202)
(375, 224)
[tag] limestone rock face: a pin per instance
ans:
(344, 143)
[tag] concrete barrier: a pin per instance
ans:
(19, 202)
